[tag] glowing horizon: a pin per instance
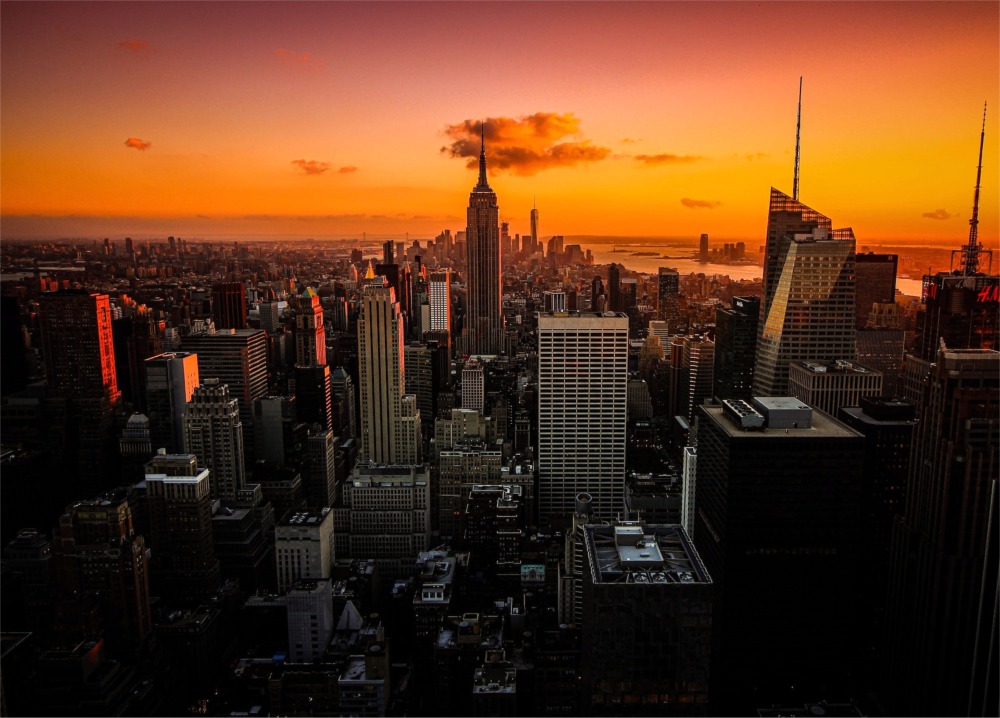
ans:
(330, 120)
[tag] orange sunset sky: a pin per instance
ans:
(329, 119)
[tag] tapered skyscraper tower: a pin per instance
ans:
(390, 421)
(485, 321)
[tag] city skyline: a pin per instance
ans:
(330, 120)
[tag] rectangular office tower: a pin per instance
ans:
(666, 295)
(237, 358)
(778, 526)
(79, 361)
(735, 348)
(582, 397)
(170, 381)
(652, 658)
(390, 419)
(810, 315)
(941, 614)
(876, 283)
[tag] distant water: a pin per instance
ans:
(605, 254)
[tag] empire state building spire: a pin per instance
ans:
(484, 320)
(483, 184)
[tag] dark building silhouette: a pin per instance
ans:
(96, 550)
(960, 309)
(651, 656)
(179, 502)
(484, 321)
(229, 305)
(170, 380)
(778, 526)
(598, 300)
(13, 348)
(78, 353)
(314, 395)
(875, 276)
(668, 283)
(887, 425)
(615, 288)
(735, 348)
(940, 581)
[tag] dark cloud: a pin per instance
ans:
(311, 167)
(525, 145)
(937, 214)
(347, 170)
(134, 45)
(666, 159)
(699, 203)
(136, 144)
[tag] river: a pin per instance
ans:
(605, 254)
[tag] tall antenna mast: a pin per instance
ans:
(972, 251)
(798, 132)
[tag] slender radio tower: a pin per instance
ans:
(972, 251)
(798, 132)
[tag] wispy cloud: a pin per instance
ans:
(298, 59)
(628, 141)
(937, 214)
(349, 169)
(666, 159)
(134, 45)
(699, 203)
(524, 145)
(311, 167)
(136, 144)
(755, 156)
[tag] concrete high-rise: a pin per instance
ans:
(390, 420)
(310, 337)
(304, 547)
(180, 528)
(808, 311)
(97, 550)
(828, 386)
(170, 381)
(439, 299)
(238, 359)
(386, 515)
(484, 320)
(214, 433)
(698, 368)
(474, 386)
(582, 401)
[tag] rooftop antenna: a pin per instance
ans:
(798, 132)
(972, 251)
(482, 154)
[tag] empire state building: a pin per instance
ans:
(485, 321)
